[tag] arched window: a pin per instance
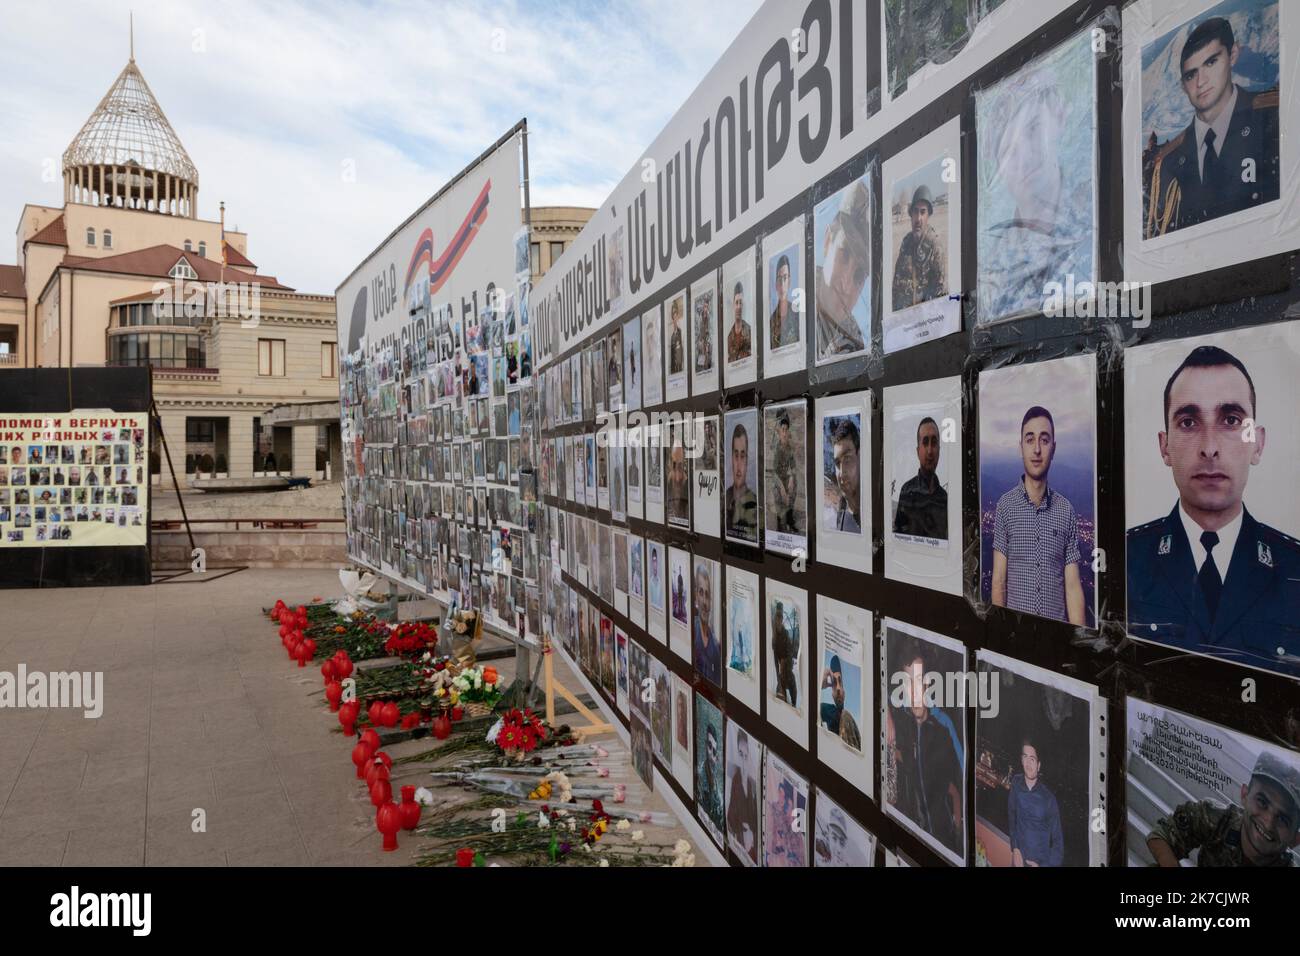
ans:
(90, 236)
(188, 246)
(203, 249)
(108, 238)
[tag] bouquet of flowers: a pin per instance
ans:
(478, 685)
(520, 731)
(411, 637)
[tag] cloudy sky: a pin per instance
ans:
(274, 101)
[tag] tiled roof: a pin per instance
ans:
(236, 258)
(55, 234)
(11, 283)
(157, 261)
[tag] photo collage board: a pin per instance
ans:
(947, 501)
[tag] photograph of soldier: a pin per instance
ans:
(920, 236)
(841, 687)
(614, 368)
(632, 363)
(709, 773)
(922, 33)
(842, 258)
(652, 356)
(702, 296)
(786, 644)
(785, 829)
(924, 773)
(921, 505)
(1210, 101)
(743, 760)
(838, 839)
(1036, 162)
(784, 327)
(1205, 795)
(740, 499)
(785, 493)
(677, 336)
(1212, 574)
(841, 474)
(679, 477)
(740, 332)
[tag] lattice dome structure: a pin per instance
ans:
(128, 155)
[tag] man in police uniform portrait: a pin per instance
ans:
(1226, 160)
(1208, 576)
(921, 267)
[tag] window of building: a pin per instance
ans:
(270, 356)
(203, 249)
(108, 238)
(329, 361)
(199, 430)
(557, 250)
(183, 270)
(188, 247)
(535, 256)
(90, 236)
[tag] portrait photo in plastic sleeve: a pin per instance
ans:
(676, 347)
(1038, 488)
(1208, 111)
(743, 635)
(634, 453)
(922, 240)
(661, 713)
(740, 333)
(923, 762)
(741, 511)
(656, 589)
(785, 485)
(842, 230)
(655, 440)
(679, 602)
(785, 814)
(843, 456)
(633, 366)
(785, 301)
(652, 354)
(706, 484)
(838, 839)
(1198, 794)
(1039, 760)
(786, 655)
(683, 734)
(845, 705)
(744, 760)
(636, 561)
(922, 446)
(710, 768)
(921, 36)
(621, 666)
(1036, 217)
(642, 752)
(1212, 450)
(638, 674)
(614, 368)
(706, 640)
(677, 472)
(704, 334)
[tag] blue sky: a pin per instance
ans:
(274, 101)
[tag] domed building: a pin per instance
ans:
(85, 291)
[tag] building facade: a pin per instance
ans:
(126, 272)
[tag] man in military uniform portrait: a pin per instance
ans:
(783, 327)
(785, 474)
(1226, 160)
(923, 501)
(1261, 832)
(676, 342)
(921, 266)
(843, 268)
(740, 501)
(679, 481)
(740, 338)
(1208, 576)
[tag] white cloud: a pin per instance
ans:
(271, 99)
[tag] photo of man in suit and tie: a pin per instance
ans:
(1208, 576)
(1225, 159)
